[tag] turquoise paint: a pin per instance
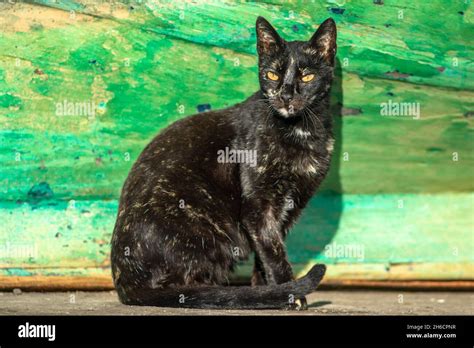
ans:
(390, 159)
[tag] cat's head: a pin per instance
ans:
(295, 74)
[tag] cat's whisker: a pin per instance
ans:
(314, 117)
(311, 119)
(305, 121)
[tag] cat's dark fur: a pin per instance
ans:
(185, 219)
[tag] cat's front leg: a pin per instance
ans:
(258, 275)
(275, 263)
(264, 230)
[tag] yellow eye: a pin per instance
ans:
(307, 78)
(272, 76)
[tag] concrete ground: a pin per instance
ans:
(334, 302)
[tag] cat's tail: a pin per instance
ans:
(230, 297)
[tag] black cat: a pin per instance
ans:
(213, 187)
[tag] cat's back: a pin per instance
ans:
(203, 129)
(196, 138)
(185, 153)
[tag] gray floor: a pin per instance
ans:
(345, 302)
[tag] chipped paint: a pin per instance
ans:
(146, 67)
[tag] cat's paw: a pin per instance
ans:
(299, 304)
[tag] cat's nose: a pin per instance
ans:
(286, 98)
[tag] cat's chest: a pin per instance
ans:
(286, 162)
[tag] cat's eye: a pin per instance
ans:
(307, 78)
(272, 76)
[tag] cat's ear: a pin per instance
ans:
(268, 40)
(324, 40)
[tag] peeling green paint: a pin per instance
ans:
(144, 68)
(381, 229)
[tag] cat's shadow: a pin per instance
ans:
(318, 304)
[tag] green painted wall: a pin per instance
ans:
(400, 190)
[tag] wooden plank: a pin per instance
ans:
(333, 230)
(56, 283)
(356, 276)
(401, 285)
(128, 70)
(376, 272)
(407, 183)
(392, 34)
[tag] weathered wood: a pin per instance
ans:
(99, 279)
(406, 183)
(370, 235)
(56, 283)
(426, 285)
(129, 69)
